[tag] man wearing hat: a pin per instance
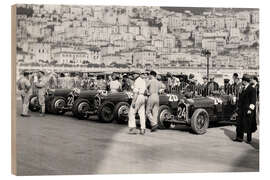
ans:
(138, 104)
(153, 86)
(41, 86)
(246, 122)
(24, 86)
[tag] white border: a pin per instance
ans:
(5, 167)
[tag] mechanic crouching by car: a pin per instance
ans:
(246, 111)
(41, 86)
(137, 105)
(153, 86)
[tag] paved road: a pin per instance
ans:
(65, 145)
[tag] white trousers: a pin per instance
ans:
(140, 108)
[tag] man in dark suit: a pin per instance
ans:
(246, 111)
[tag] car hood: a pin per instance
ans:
(88, 93)
(60, 92)
(118, 96)
(208, 101)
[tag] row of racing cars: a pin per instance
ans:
(196, 112)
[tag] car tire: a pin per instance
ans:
(105, 112)
(79, 108)
(58, 101)
(164, 111)
(121, 107)
(33, 103)
(199, 121)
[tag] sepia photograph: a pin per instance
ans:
(134, 89)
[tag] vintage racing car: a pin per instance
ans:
(59, 101)
(196, 112)
(108, 106)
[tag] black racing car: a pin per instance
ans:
(108, 106)
(59, 101)
(197, 112)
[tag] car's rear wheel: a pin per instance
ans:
(164, 113)
(199, 121)
(105, 112)
(81, 108)
(121, 112)
(57, 105)
(33, 103)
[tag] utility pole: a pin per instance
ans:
(207, 54)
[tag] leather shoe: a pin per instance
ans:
(132, 131)
(154, 128)
(238, 140)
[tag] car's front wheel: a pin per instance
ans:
(105, 112)
(199, 121)
(164, 113)
(33, 103)
(81, 108)
(121, 112)
(57, 105)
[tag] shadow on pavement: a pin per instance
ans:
(231, 134)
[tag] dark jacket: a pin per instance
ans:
(211, 87)
(235, 89)
(247, 122)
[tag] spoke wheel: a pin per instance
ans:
(57, 105)
(121, 111)
(106, 112)
(199, 121)
(33, 104)
(81, 108)
(164, 113)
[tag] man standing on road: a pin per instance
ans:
(41, 85)
(24, 86)
(137, 105)
(246, 111)
(153, 86)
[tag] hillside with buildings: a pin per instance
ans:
(139, 37)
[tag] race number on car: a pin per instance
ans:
(172, 97)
